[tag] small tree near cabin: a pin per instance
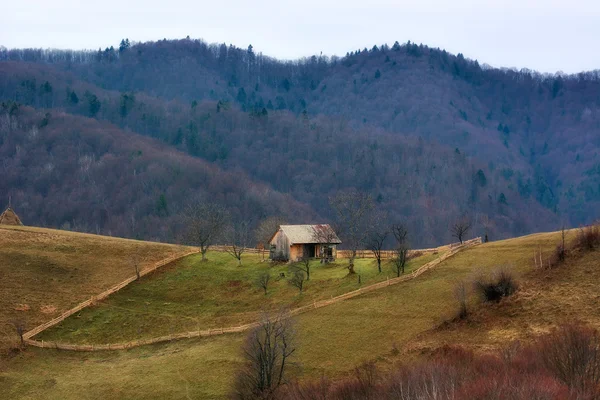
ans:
(206, 223)
(303, 265)
(263, 281)
(401, 248)
(376, 240)
(297, 280)
(238, 237)
(353, 212)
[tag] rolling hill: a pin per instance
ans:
(389, 326)
(45, 272)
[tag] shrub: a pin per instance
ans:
(561, 365)
(500, 284)
(572, 354)
(461, 295)
(588, 238)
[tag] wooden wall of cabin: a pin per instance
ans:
(296, 252)
(282, 246)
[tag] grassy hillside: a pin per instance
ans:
(194, 295)
(45, 272)
(546, 299)
(389, 326)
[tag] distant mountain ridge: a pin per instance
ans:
(518, 147)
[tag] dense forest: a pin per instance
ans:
(430, 135)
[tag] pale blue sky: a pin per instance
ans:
(545, 35)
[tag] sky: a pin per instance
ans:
(542, 35)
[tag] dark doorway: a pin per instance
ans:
(308, 251)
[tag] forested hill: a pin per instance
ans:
(430, 135)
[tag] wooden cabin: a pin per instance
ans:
(295, 242)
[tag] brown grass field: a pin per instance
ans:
(45, 272)
(394, 325)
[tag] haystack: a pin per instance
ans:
(9, 217)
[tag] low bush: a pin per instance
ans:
(588, 238)
(562, 365)
(572, 354)
(501, 283)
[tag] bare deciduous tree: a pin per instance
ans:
(263, 281)
(562, 247)
(265, 231)
(572, 353)
(353, 211)
(206, 222)
(238, 236)
(461, 294)
(267, 352)
(302, 265)
(376, 242)
(401, 248)
(460, 228)
(297, 280)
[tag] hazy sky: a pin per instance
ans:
(546, 35)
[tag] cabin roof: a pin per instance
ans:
(301, 234)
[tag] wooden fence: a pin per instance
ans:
(389, 254)
(103, 295)
(247, 250)
(220, 331)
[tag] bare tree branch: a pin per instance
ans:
(206, 222)
(401, 248)
(353, 211)
(460, 228)
(267, 352)
(297, 280)
(238, 237)
(263, 281)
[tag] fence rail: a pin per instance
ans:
(236, 329)
(103, 295)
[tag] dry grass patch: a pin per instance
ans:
(45, 272)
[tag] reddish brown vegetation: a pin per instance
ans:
(588, 238)
(564, 364)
